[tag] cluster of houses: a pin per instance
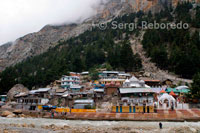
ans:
(123, 91)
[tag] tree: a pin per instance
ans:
(94, 74)
(126, 57)
(195, 91)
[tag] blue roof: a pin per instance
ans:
(45, 106)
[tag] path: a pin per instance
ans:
(161, 115)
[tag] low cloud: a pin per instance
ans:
(20, 17)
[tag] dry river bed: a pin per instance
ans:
(41, 125)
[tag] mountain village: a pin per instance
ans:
(90, 77)
(111, 92)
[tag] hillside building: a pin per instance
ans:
(69, 81)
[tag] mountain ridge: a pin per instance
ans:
(39, 42)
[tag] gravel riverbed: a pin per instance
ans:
(41, 125)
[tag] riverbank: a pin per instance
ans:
(191, 115)
(43, 125)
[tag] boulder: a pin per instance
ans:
(5, 131)
(66, 127)
(11, 116)
(6, 113)
(31, 126)
(24, 125)
(16, 89)
(21, 115)
(17, 111)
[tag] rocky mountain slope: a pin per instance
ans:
(150, 68)
(39, 42)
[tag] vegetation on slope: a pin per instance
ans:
(92, 49)
(177, 50)
(172, 49)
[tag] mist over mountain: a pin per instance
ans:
(20, 17)
(67, 22)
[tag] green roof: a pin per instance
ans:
(184, 90)
(168, 90)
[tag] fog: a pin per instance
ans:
(20, 17)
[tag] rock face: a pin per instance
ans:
(36, 43)
(18, 88)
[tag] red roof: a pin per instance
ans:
(162, 91)
(172, 93)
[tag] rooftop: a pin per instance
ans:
(111, 72)
(84, 101)
(39, 90)
(135, 90)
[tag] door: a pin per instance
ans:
(120, 109)
(143, 109)
(117, 109)
(133, 109)
(130, 109)
(147, 109)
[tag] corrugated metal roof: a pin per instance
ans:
(84, 101)
(75, 87)
(65, 95)
(21, 94)
(135, 90)
(115, 72)
(43, 89)
(39, 90)
(182, 87)
(98, 90)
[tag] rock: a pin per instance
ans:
(6, 113)
(193, 130)
(11, 116)
(16, 89)
(10, 131)
(184, 130)
(5, 131)
(116, 128)
(17, 111)
(52, 126)
(31, 125)
(66, 127)
(45, 127)
(22, 115)
(18, 125)
(24, 125)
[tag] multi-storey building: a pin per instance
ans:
(68, 81)
(113, 77)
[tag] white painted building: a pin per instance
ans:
(68, 81)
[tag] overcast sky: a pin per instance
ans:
(20, 17)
